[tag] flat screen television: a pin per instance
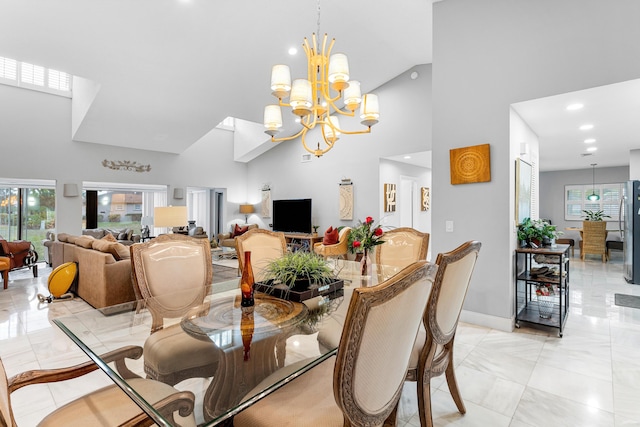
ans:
(292, 215)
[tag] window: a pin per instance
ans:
(35, 77)
(575, 200)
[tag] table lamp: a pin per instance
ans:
(170, 216)
(246, 210)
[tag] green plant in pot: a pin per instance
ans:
(595, 215)
(537, 231)
(300, 270)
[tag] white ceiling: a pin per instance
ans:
(614, 112)
(171, 70)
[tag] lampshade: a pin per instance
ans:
(331, 133)
(246, 209)
(280, 80)
(369, 111)
(338, 70)
(170, 216)
(178, 193)
(272, 119)
(300, 98)
(353, 95)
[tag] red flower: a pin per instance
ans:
(378, 231)
(356, 243)
(369, 220)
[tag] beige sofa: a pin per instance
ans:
(104, 268)
(225, 239)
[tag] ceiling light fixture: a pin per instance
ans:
(573, 107)
(586, 127)
(312, 100)
(593, 196)
(592, 149)
(589, 140)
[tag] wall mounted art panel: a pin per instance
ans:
(346, 202)
(425, 199)
(389, 197)
(470, 164)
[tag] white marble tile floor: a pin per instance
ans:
(525, 378)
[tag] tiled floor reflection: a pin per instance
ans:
(525, 378)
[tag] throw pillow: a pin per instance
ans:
(239, 231)
(63, 237)
(85, 241)
(122, 236)
(109, 238)
(330, 236)
(120, 251)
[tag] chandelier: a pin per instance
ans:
(593, 197)
(314, 99)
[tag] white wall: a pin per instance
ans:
(486, 56)
(36, 144)
(405, 127)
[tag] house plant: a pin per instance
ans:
(595, 215)
(537, 231)
(300, 270)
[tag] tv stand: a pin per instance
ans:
(302, 241)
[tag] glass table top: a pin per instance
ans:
(274, 336)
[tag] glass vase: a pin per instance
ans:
(365, 264)
(247, 282)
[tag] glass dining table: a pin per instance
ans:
(260, 349)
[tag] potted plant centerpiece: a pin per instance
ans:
(594, 215)
(537, 231)
(300, 270)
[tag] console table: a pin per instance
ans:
(305, 241)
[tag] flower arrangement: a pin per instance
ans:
(546, 289)
(365, 236)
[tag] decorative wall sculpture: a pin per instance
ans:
(425, 199)
(389, 197)
(346, 200)
(265, 206)
(470, 164)
(126, 165)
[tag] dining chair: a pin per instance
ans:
(264, 245)
(402, 246)
(337, 250)
(362, 384)
(594, 239)
(162, 268)
(433, 349)
(108, 406)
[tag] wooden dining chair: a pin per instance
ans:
(362, 385)
(402, 246)
(594, 239)
(162, 268)
(264, 245)
(108, 406)
(433, 349)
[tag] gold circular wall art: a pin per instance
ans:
(470, 164)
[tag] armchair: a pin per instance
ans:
(108, 406)
(20, 253)
(336, 250)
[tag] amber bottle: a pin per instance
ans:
(247, 282)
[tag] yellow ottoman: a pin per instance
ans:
(5, 266)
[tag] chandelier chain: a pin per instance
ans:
(318, 23)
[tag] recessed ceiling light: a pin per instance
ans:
(293, 51)
(586, 127)
(407, 157)
(576, 106)
(589, 140)
(592, 148)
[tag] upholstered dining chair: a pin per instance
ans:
(594, 239)
(363, 383)
(402, 246)
(433, 349)
(337, 250)
(264, 245)
(161, 268)
(108, 406)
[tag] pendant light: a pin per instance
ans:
(593, 196)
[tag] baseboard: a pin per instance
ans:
(486, 320)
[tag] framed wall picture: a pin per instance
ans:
(425, 198)
(389, 197)
(523, 190)
(346, 201)
(265, 204)
(470, 164)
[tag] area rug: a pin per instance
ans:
(222, 273)
(625, 300)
